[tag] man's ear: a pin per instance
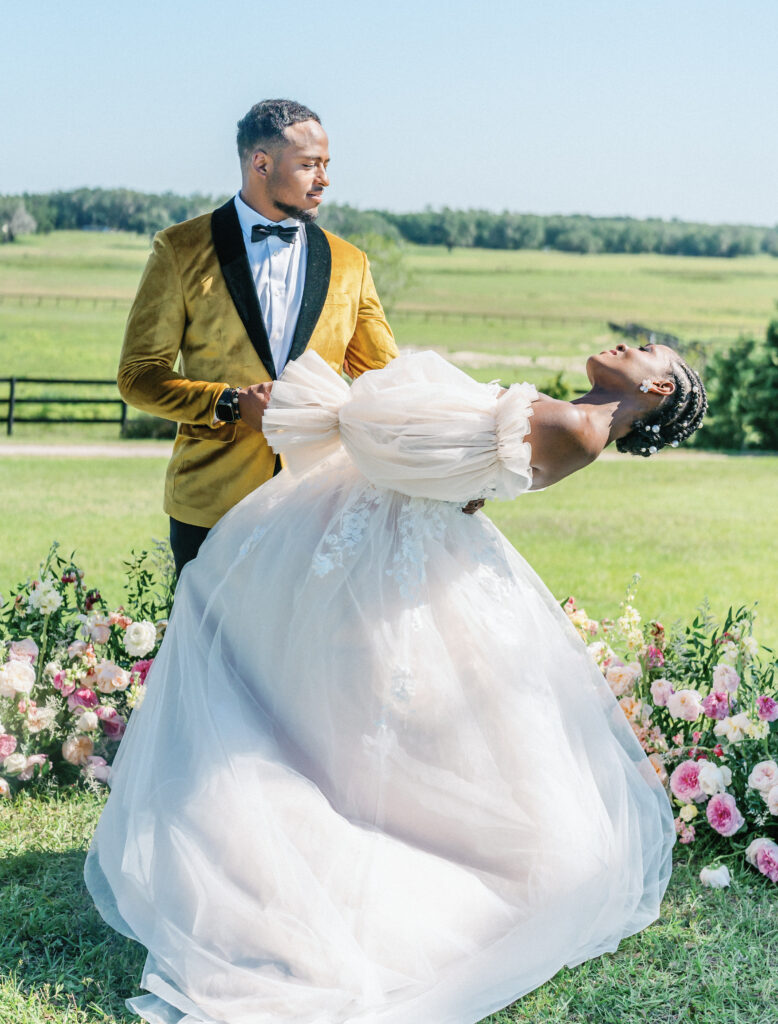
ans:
(260, 161)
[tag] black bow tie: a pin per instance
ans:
(260, 231)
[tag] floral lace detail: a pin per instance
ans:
(419, 521)
(337, 546)
(252, 540)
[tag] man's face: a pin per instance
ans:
(296, 174)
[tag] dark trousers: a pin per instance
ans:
(185, 541)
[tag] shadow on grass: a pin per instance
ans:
(53, 942)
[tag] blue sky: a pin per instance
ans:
(602, 107)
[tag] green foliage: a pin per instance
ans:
(742, 386)
(557, 388)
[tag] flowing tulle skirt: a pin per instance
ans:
(375, 778)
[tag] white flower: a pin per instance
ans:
(5, 789)
(757, 730)
(763, 776)
(44, 597)
(96, 627)
(729, 653)
(771, 799)
(725, 678)
(734, 729)
(23, 650)
(685, 704)
(16, 677)
(688, 812)
(758, 844)
(716, 878)
(713, 778)
(87, 721)
(661, 689)
(39, 719)
(110, 677)
(15, 763)
(750, 646)
(140, 638)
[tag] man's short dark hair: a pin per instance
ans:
(264, 124)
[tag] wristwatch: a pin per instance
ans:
(227, 408)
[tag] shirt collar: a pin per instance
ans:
(248, 217)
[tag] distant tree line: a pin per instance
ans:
(145, 213)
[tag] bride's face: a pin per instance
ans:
(624, 368)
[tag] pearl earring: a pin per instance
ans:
(645, 385)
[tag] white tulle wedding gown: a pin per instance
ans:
(376, 777)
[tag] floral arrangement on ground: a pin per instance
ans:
(72, 670)
(703, 702)
(701, 699)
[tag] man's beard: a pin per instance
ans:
(304, 216)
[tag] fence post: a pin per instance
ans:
(11, 404)
(123, 427)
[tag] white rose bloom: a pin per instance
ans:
(87, 721)
(757, 730)
(16, 677)
(45, 598)
(15, 763)
(685, 704)
(716, 878)
(734, 729)
(756, 845)
(750, 646)
(763, 776)
(140, 638)
(40, 718)
(711, 778)
(771, 799)
(729, 653)
(621, 678)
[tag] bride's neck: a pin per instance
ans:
(610, 414)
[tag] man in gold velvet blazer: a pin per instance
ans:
(232, 296)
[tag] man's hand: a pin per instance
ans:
(253, 401)
(473, 506)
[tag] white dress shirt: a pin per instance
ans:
(278, 269)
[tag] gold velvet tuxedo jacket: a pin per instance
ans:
(197, 301)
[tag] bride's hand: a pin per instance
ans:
(253, 401)
(473, 506)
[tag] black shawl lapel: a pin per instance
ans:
(318, 268)
(228, 242)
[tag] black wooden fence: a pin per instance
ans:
(24, 393)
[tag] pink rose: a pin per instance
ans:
(83, 697)
(716, 704)
(32, 761)
(59, 681)
(723, 815)
(685, 782)
(142, 669)
(110, 677)
(7, 745)
(767, 708)
(767, 862)
(23, 650)
(97, 767)
(113, 723)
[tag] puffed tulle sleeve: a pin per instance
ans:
(418, 426)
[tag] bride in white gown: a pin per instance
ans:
(376, 777)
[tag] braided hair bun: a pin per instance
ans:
(674, 421)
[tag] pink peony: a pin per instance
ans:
(23, 650)
(767, 862)
(29, 769)
(685, 782)
(767, 708)
(661, 689)
(97, 767)
(142, 669)
(83, 697)
(60, 681)
(723, 815)
(76, 749)
(7, 745)
(716, 704)
(654, 657)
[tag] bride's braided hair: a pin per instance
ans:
(676, 418)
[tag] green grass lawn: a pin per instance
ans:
(693, 526)
(709, 959)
